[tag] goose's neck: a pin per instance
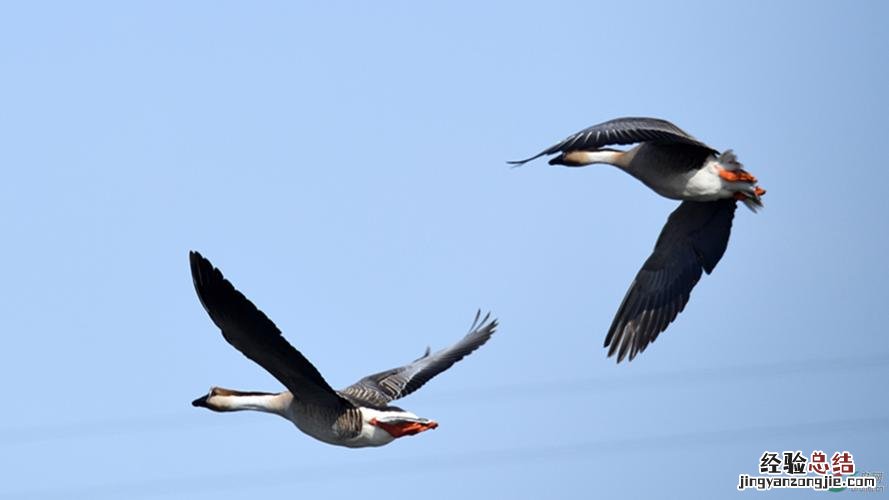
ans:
(256, 401)
(614, 157)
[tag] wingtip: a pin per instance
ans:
(203, 273)
(612, 350)
(482, 322)
(195, 258)
(618, 347)
(492, 326)
(519, 163)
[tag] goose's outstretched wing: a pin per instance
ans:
(381, 388)
(250, 331)
(621, 131)
(693, 239)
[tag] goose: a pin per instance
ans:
(359, 415)
(677, 166)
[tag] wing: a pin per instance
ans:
(250, 331)
(621, 131)
(381, 388)
(694, 238)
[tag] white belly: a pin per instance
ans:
(372, 435)
(323, 430)
(697, 185)
(704, 185)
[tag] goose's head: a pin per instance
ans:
(220, 399)
(214, 400)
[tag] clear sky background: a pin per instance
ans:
(344, 165)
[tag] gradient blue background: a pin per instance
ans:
(343, 164)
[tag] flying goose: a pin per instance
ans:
(675, 165)
(359, 415)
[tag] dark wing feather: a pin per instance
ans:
(250, 331)
(381, 388)
(670, 159)
(621, 131)
(693, 239)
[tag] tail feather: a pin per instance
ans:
(753, 197)
(754, 204)
(729, 160)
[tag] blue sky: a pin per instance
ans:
(344, 165)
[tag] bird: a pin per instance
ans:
(359, 415)
(675, 165)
